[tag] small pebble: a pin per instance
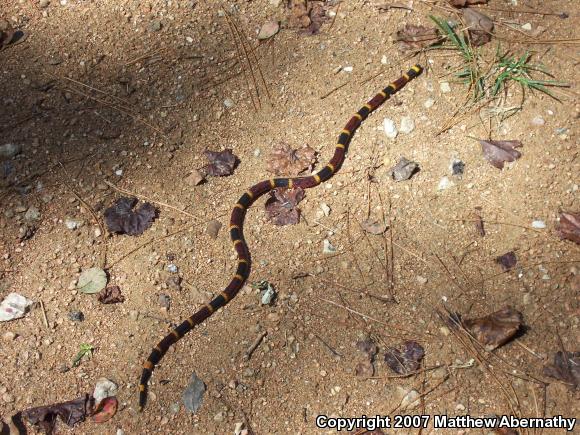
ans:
(445, 88)
(538, 121)
(213, 228)
(268, 30)
(72, 224)
(9, 336)
(104, 388)
(172, 268)
(538, 224)
(257, 152)
(76, 316)
(192, 397)
(429, 103)
(32, 214)
(228, 103)
(327, 247)
(390, 128)
(527, 27)
(421, 279)
(407, 125)
(10, 150)
(155, 26)
(325, 209)
(457, 167)
(164, 301)
(445, 183)
(348, 69)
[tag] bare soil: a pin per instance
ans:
(97, 86)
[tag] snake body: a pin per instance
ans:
(237, 221)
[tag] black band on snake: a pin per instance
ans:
(237, 222)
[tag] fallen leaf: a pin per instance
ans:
(110, 295)
(495, 329)
(281, 207)
(406, 360)
(122, 219)
(507, 261)
(497, 152)
(373, 226)
(463, 3)
(480, 27)
(268, 30)
(368, 347)
(287, 161)
(566, 368)
(221, 163)
(308, 15)
(404, 169)
(92, 280)
(412, 38)
(105, 410)
(72, 412)
(569, 226)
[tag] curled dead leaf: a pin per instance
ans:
(497, 152)
(121, 218)
(221, 163)
(480, 27)
(110, 295)
(495, 329)
(71, 412)
(105, 410)
(507, 261)
(281, 207)
(411, 37)
(406, 359)
(569, 226)
(565, 368)
(287, 161)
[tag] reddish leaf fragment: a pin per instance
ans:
(122, 219)
(105, 410)
(463, 3)
(281, 207)
(411, 37)
(507, 261)
(495, 329)
(110, 295)
(406, 360)
(71, 413)
(221, 163)
(566, 368)
(287, 161)
(480, 27)
(308, 15)
(497, 152)
(569, 226)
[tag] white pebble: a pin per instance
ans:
(445, 183)
(538, 224)
(228, 103)
(539, 121)
(119, 172)
(257, 152)
(429, 103)
(348, 69)
(390, 128)
(384, 59)
(407, 125)
(445, 88)
(189, 39)
(527, 26)
(325, 208)
(327, 247)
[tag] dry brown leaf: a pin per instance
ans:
(287, 161)
(495, 329)
(412, 38)
(480, 27)
(497, 152)
(405, 360)
(307, 15)
(110, 295)
(221, 163)
(569, 226)
(566, 368)
(507, 261)
(281, 207)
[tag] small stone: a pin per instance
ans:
(445, 88)
(268, 30)
(429, 102)
(410, 400)
(7, 398)
(327, 247)
(527, 299)
(407, 125)
(267, 295)
(445, 183)
(538, 121)
(457, 167)
(154, 26)
(213, 228)
(538, 224)
(172, 268)
(228, 103)
(527, 27)
(10, 150)
(348, 69)
(390, 128)
(9, 336)
(239, 428)
(219, 417)
(76, 316)
(174, 408)
(421, 280)
(325, 208)
(119, 172)
(43, 3)
(164, 301)
(174, 282)
(444, 331)
(32, 214)
(98, 233)
(192, 397)
(73, 224)
(460, 407)
(104, 388)
(195, 178)
(404, 169)
(257, 152)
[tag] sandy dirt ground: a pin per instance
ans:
(105, 96)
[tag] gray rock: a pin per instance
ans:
(192, 397)
(390, 128)
(404, 169)
(10, 150)
(104, 388)
(32, 214)
(407, 125)
(213, 228)
(155, 26)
